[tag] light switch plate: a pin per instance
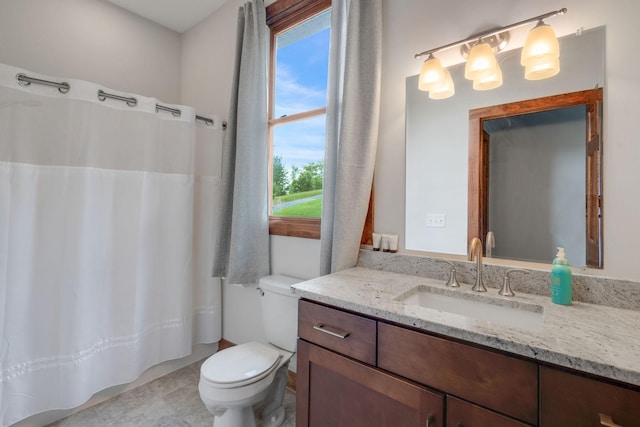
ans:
(436, 220)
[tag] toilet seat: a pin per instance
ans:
(240, 365)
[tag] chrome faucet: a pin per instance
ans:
(453, 279)
(506, 282)
(475, 247)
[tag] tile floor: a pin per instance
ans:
(169, 401)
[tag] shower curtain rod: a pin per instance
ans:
(63, 87)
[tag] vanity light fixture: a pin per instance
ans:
(490, 82)
(541, 53)
(432, 74)
(481, 64)
(540, 56)
(482, 67)
(445, 90)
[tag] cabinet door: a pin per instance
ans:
(335, 391)
(465, 414)
(572, 400)
(502, 383)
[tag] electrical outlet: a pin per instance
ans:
(436, 220)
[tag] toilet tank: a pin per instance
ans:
(280, 310)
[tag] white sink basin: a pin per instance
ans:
(507, 312)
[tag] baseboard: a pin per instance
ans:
(291, 383)
(222, 344)
(291, 380)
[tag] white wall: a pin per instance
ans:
(207, 55)
(91, 40)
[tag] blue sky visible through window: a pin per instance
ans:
(301, 85)
(301, 73)
(302, 61)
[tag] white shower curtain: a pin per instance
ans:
(106, 222)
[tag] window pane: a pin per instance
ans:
(302, 61)
(298, 166)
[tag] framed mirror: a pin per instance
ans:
(437, 144)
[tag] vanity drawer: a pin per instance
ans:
(345, 333)
(573, 400)
(465, 414)
(502, 383)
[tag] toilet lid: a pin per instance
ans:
(241, 364)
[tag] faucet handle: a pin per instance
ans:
(506, 282)
(453, 279)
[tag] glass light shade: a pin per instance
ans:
(542, 68)
(446, 90)
(431, 75)
(481, 63)
(490, 82)
(541, 42)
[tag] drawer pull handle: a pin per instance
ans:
(429, 420)
(606, 420)
(331, 331)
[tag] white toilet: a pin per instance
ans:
(244, 385)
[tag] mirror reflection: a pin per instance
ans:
(438, 150)
(538, 184)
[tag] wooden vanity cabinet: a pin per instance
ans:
(356, 371)
(337, 383)
(568, 399)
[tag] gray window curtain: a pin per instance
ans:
(353, 104)
(242, 235)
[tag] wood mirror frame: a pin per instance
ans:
(479, 164)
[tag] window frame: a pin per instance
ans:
(282, 15)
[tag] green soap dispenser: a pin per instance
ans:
(561, 280)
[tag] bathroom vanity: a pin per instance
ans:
(370, 354)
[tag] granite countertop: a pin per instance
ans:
(597, 339)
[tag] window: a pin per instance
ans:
(299, 63)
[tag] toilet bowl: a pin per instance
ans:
(244, 385)
(242, 382)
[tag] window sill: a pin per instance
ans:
(308, 228)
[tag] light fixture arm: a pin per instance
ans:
(492, 32)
